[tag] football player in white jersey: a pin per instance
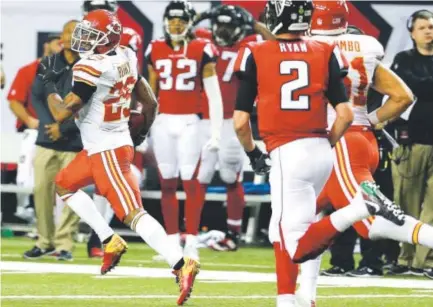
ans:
(356, 155)
(104, 80)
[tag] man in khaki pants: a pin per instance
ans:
(57, 145)
(412, 167)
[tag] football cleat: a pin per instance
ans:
(185, 277)
(113, 251)
(379, 204)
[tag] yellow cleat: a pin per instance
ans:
(113, 251)
(185, 278)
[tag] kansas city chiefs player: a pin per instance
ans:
(104, 80)
(180, 70)
(129, 38)
(229, 31)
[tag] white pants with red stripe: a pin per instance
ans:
(299, 172)
(176, 144)
(229, 157)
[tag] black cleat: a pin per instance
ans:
(37, 252)
(335, 271)
(379, 204)
(365, 271)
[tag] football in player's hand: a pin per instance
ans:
(136, 122)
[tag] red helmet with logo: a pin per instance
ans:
(99, 32)
(329, 17)
(131, 39)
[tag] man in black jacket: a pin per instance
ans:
(412, 165)
(57, 145)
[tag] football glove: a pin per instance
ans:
(47, 70)
(259, 161)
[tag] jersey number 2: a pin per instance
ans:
(288, 101)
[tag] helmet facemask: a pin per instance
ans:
(86, 39)
(177, 37)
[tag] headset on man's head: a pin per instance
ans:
(415, 16)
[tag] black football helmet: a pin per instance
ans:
(178, 9)
(228, 26)
(91, 5)
(354, 30)
(287, 16)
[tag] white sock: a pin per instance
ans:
(155, 236)
(190, 250)
(308, 279)
(85, 208)
(58, 210)
(384, 229)
(103, 207)
(344, 218)
(286, 300)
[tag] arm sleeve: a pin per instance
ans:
(336, 92)
(83, 90)
(209, 55)
(247, 92)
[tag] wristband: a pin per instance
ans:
(372, 117)
(255, 153)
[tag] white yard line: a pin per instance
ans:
(218, 297)
(233, 276)
(131, 261)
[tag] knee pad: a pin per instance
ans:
(168, 171)
(187, 172)
(228, 175)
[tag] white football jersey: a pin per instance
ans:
(363, 53)
(103, 121)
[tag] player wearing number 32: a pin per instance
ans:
(104, 80)
(293, 86)
(180, 69)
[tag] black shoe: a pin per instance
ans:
(64, 256)
(429, 273)
(37, 252)
(365, 271)
(416, 272)
(379, 204)
(399, 270)
(334, 272)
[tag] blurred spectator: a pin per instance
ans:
(412, 165)
(21, 106)
(2, 77)
(57, 145)
(19, 93)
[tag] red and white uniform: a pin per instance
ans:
(356, 155)
(103, 123)
(175, 132)
(231, 155)
(293, 87)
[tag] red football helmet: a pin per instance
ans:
(329, 18)
(131, 39)
(99, 32)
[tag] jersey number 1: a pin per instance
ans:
(288, 101)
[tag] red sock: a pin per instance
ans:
(170, 205)
(315, 241)
(287, 270)
(193, 205)
(235, 206)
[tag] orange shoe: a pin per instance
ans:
(96, 252)
(185, 278)
(113, 251)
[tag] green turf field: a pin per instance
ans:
(244, 278)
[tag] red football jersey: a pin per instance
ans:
(292, 78)
(228, 82)
(179, 71)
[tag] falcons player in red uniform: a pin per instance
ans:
(180, 70)
(229, 31)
